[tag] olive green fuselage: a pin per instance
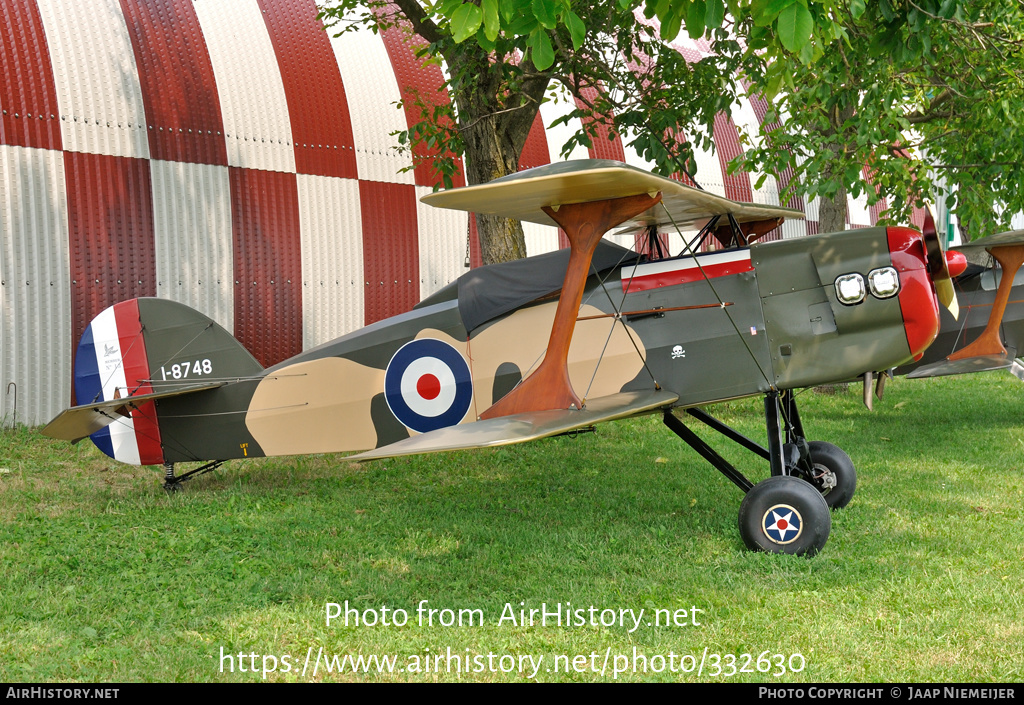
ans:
(710, 328)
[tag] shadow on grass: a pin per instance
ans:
(98, 556)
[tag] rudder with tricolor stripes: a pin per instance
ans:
(145, 346)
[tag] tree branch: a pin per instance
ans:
(421, 24)
(531, 102)
(971, 166)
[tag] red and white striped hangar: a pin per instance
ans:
(233, 156)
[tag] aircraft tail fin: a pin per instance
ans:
(134, 353)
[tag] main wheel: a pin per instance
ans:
(832, 473)
(784, 514)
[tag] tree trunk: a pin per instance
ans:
(832, 212)
(494, 130)
(489, 156)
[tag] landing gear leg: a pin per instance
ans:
(173, 483)
(788, 512)
(782, 456)
(824, 465)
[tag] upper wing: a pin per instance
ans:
(1010, 237)
(519, 428)
(523, 195)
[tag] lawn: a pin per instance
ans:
(109, 578)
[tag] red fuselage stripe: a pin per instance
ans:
(685, 275)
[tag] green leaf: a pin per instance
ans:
(695, 19)
(577, 29)
(888, 13)
(448, 7)
(795, 27)
(492, 22)
(670, 26)
(485, 43)
(543, 54)
(466, 21)
(546, 13)
(857, 8)
(806, 53)
(511, 9)
(715, 13)
(660, 8)
(765, 11)
(521, 26)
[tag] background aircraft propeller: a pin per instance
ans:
(938, 267)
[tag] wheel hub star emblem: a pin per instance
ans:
(782, 524)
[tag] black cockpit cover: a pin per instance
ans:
(488, 292)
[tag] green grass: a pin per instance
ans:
(108, 578)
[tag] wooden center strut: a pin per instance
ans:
(1010, 259)
(584, 224)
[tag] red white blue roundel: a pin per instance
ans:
(782, 524)
(428, 385)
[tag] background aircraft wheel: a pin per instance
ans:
(784, 514)
(834, 474)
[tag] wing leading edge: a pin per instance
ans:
(528, 426)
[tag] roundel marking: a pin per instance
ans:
(428, 385)
(782, 524)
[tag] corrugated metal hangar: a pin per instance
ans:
(230, 155)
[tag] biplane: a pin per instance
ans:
(989, 334)
(548, 345)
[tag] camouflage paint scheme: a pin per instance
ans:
(770, 320)
(783, 328)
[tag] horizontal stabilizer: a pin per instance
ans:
(79, 422)
(979, 363)
(519, 428)
(524, 195)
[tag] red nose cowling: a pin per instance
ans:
(956, 263)
(918, 302)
